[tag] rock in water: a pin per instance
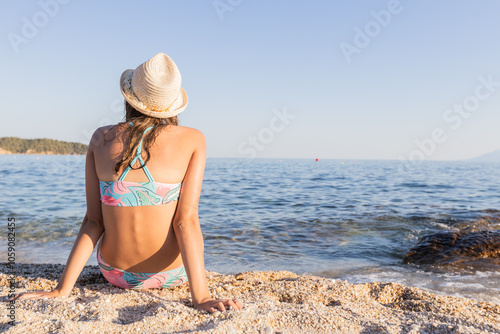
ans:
(456, 248)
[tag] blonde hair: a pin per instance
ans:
(135, 133)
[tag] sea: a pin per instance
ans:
(349, 220)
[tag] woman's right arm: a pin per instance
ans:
(188, 232)
(90, 231)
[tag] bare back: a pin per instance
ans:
(142, 238)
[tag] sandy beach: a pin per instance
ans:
(275, 302)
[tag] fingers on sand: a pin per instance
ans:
(221, 306)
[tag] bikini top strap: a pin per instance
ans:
(138, 156)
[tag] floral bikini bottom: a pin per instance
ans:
(140, 281)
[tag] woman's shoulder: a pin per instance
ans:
(191, 134)
(100, 133)
(191, 131)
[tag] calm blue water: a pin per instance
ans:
(352, 220)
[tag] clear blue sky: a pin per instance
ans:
(247, 58)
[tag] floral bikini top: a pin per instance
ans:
(125, 193)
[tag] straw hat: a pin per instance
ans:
(154, 88)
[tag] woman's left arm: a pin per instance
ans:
(91, 230)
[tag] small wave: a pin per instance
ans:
(414, 185)
(481, 285)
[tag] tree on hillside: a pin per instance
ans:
(43, 145)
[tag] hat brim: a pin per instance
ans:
(130, 98)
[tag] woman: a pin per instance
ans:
(143, 183)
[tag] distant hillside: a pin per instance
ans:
(492, 156)
(17, 145)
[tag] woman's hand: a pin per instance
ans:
(213, 305)
(39, 294)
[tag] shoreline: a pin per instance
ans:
(275, 301)
(4, 152)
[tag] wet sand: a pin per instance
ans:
(275, 302)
